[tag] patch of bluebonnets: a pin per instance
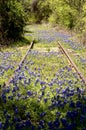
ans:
(8, 60)
(49, 36)
(26, 108)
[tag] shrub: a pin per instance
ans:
(12, 19)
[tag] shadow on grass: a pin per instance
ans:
(21, 42)
(24, 41)
(28, 31)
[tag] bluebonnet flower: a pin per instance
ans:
(30, 93)
(43, 93)
(38, 75)
(71, 126)
(40, 127)
(78, 90)
(19, 95)
(10, 97)
(20, 77)
(56, 123)
(50, 124)
(58, 90)
(82, 118)
(42, 83)
(45, 100)
(84, 109)
(70, 93)
(0, 125)
(26, 67)
(58, 114)
(8, 116)
(15, 89)
(50, 84)
(8, 90)
(32, 127)
(72, 104)
(42, 114)
(28, 123)
(64, 121)
(24, 107)
(43, 88)
(18, 127)
(20, 67)
(5, 111)
(6, 124)
(16, 119)
(28, 115)
(40, 97)
(37, 80)
(84, 97)
(83, 128)
(78, 104)
(72, 114)
(41, 123)
(29, 81)
(16, 110)
(4, 98)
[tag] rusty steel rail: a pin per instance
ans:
(23, 59)
(72, 63)
(20, 64)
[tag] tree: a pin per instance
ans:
(41, 10)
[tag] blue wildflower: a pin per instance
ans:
(72, 104)
(45, 100)
(42, 114)
(78, 104)
(56, 123)
(64, 121)
(28, 123)
(0, 125)
(41, 122)
(29, 93)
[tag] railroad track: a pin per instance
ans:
(20, 64)
(73, 65)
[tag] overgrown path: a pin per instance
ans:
(47, 38)
(46, 34)
(45, 93)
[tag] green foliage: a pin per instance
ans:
(12, 19)
(69, 13)
(63, 14)
(44, 10)
(41, 10)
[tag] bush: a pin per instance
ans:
(12, 19)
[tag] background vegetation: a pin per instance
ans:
(12, 20)
(14, 14)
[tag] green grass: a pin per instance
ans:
(47, 66)
(44, 45)
(20, 47)
(35, 27)
(75, 55)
